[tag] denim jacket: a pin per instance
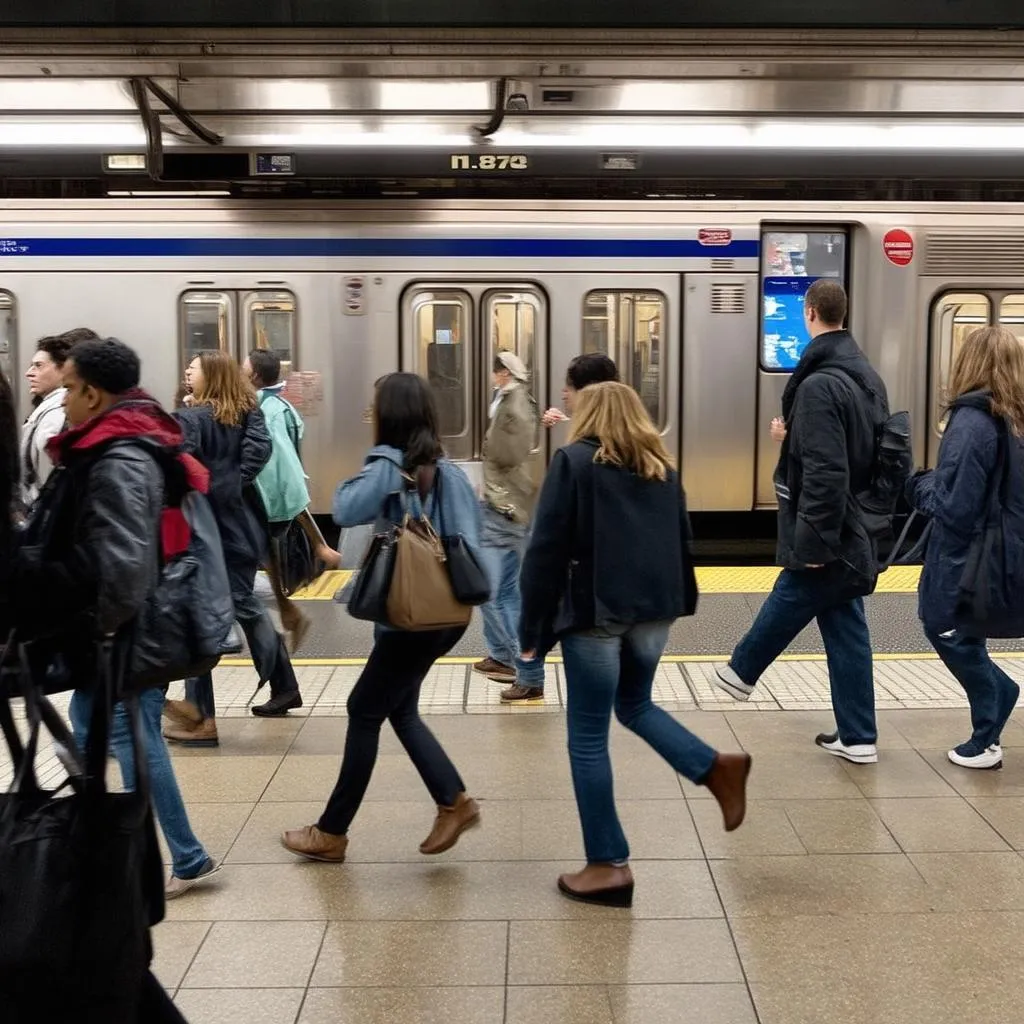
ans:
(372, 496)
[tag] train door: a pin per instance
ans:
(956, 312)
(451, 332)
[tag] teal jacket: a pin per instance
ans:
(282, 481)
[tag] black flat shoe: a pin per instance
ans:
(279, 706)
(605, 885)
(616, 896)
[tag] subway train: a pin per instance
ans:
(698, 303)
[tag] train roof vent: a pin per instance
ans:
(974, 254)
(728, 297)
(720, 263)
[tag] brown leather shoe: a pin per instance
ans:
(182, 713)
(607, 885)
(450, 823)
(727, 781)
(495, 670)
(310, 842)
(203, 734)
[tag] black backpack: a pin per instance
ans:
(893, 463)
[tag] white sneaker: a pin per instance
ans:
(990, 757)
(858, 753)
(727, 680)
(176, 887)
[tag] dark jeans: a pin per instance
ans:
(991, 693)
(822, 594)
(615, 667)
(389, 688)
(269, 653)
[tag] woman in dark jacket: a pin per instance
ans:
(987, 411)
(225, 430)
(608, 569)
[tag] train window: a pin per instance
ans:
(627, 326)
(441, 327)
(513, 318)
(1011, 314)
(269, 319)
(954, 316)
(205, 324)
(7, 340)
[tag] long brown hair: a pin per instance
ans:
(224, 389)
(992, 359)
(614, 416)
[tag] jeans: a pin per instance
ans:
(615, 667)
(991, 693)
(269, 653)
(187, 853)
(501, 613)
(389, 688)
(798, 597)
(530, 673)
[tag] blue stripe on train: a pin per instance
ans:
(507, 248)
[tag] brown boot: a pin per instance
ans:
(316, 845)
(182, 713)
(450, 823)
(608, 885)
(203, 734)
(727, 781)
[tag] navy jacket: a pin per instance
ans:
(607, 546)
(956, 496)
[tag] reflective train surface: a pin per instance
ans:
(700, 305)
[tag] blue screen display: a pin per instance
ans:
(785, 336)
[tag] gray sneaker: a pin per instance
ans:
(179, 886)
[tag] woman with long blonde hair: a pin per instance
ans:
(983, 440)
(607, 571)
(224, 428)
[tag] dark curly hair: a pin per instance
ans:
(58, 346)
(107, 364)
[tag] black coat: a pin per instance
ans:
(956, 496)
(828, 456)
(607, 546)
(234, 455)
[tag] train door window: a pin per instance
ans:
(954, 316)
(441, 326)
(513, 319)
(628, 326)
(7, 325)
(1011, 314)
(206, 323)
(268, 319)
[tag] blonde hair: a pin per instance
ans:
(992, 359)
(224, 389)
(612, 414)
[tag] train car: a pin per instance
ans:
(700, 304)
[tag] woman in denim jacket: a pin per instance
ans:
(407, 445)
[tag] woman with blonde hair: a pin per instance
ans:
(981, 460)
(607, 571)
(225, 430)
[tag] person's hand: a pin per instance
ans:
(527, 655)
(778, 429)
(327, 555)
(188, 399)
(553, 416)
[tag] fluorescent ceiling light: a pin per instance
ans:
(45, 132)
(429, 95)
(164, 193)
(64, 94)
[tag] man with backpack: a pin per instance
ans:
(840, 470)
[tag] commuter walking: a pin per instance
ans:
(832, 406)
(509, 492)
(226, 431)
(591, 368)
(46, 421)
(981, 462)
(406, 458)
(607, 570)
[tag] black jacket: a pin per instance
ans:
(828, 455)
(607, 546)
(234, 455)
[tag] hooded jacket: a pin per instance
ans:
(509, 487)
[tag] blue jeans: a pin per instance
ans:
(798, 597)
(187, 853)
(615, 667)
(991, 693)
(501, 613)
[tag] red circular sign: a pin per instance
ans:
(898, 247)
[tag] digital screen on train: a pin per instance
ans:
(790, 263)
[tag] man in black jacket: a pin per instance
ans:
(832, 407)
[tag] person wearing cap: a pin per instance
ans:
(508, 498)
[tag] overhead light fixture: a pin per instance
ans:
(168, 193)
(121, 163)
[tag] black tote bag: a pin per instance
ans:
(470, 583)
(369, 597)
(80, 874)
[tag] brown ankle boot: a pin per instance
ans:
(310, 842)
(608, 885)
(201, 734)
(727, 781)
(182, 713)
(450, 823)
